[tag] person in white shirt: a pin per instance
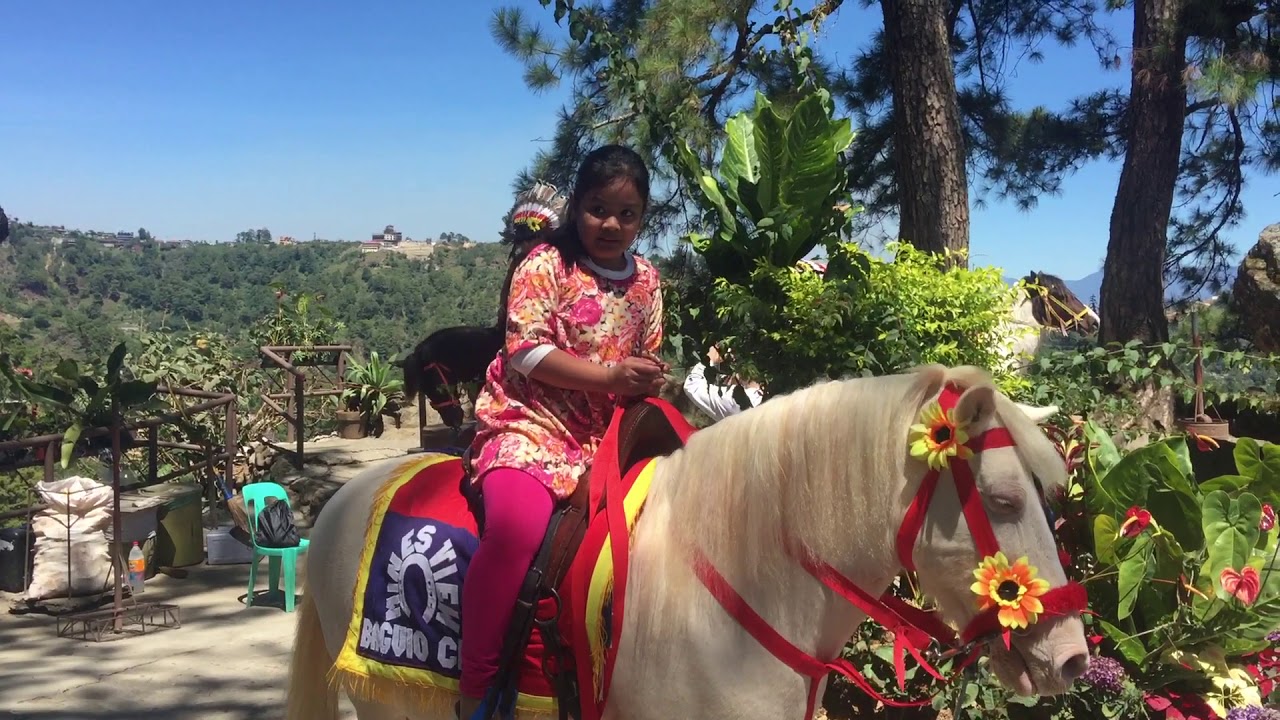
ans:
(713, 399)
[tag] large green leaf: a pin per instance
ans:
(740, 162)
(1130, 646)
(1106, 531)
(1131, 480)
(711, 190)
(1179, 514)
(1255, 460)
(1103, 453)
(1230, 531)
(1226, 483)
(135, 392)
(114, 363)
(1136, 570)
(771, 149)
(69, 439)
(811, 167)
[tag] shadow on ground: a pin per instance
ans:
(226, 661)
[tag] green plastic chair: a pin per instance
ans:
(255, 499)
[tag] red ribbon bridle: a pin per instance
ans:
(915, 631)
(451, 400)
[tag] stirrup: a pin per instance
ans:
(490, 707)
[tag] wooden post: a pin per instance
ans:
(153, 454)
(117, 529)
(422, 418)
(299, 416)
(231, 438)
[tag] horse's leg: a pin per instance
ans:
(375, 711)
(333, 558)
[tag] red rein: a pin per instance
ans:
(914, 629)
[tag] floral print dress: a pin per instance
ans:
(550, 432)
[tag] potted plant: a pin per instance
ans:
(373, 392)
(346, 411)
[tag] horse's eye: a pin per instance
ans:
(1008, 502)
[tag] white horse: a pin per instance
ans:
(825, 470)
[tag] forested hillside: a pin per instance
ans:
(77, 297)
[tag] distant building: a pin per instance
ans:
(285, 240)
(371, 246)
(389, 235)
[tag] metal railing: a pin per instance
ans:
(294, 391)
(52, 444)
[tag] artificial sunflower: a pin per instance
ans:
(938, 437)
(1014, 589)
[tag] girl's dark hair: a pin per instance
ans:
(600, 168)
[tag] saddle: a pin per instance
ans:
(644, 431)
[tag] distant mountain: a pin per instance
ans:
(1087, 288)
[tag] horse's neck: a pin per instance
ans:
(1022, 313)
(793, 602)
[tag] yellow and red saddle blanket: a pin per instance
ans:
(402, 644)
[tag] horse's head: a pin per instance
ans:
(1055, 306)
(440, 391)
(979, 534)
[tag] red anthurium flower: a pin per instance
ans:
(1064, 557)
(1243, 585)
(1135, 521)
(1204, 443)
(1268, 520)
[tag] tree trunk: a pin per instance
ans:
(933, 190)
(1132, 301)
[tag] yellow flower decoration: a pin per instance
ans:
(1015, 590)
(533, 222)
(938, 437)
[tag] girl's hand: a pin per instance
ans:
(636, 376)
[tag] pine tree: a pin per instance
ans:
(686, 62)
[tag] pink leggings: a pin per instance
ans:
(517, 510)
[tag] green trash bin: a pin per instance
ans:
(180, 537)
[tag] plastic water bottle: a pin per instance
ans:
(137, 569)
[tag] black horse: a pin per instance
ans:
(447, 357)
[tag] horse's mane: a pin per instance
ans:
(810, 464)
(1057, 289)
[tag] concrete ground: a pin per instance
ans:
(226, 661)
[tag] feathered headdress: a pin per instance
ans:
(541, 207)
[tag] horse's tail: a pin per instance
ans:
(412, 367)
(310, 696)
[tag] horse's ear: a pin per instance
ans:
(977, 404)
(1038, 414)
(929, 381)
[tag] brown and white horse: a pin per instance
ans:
(1044, 307)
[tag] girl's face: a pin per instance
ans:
(609, 219)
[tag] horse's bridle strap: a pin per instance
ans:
(799, 661)
(451, 401)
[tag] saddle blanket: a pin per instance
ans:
(403, 642)
(406, 626)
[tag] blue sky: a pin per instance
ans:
(198, 120)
